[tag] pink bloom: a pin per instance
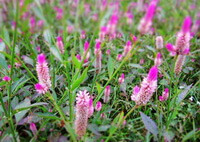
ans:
(134, 38)
(60, 44)
(70, 29)
(78, 56)
(136, 90)
(112, 24)
(38, 48)
(129, 16)
(59, 13)
(165, 95)
(179, 63)
(158, 59)
(82, 112)
(6, 78)
(102, 33)
(148, 87)
(171, 49)
(91, 108)
(141, 61)
(98, 55)
(119, 57)
(41, 89)
(106, 94)
(98, 106)
(43, 73)
(146, 22)
(33, 128)
(108, 52)
(159, 42)
(32, 24)
(83, 35)
(127, 48)
(121, 78)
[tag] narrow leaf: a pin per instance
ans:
(183, 94)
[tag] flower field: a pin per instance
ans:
(99, 70)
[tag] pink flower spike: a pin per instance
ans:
(6, 78)
(136, 90)
(170, 47)
(98, 106)
(33, 128)
(86, 46)
(41, 58)
(134, 38)
(78, 56)
(186, 51)
(107, 94)
(82, 98)
(150, 12)
(186, 24)
(158, 59)
(152, 75)
(119, 57)
(121, 78)
(91, 108)
(40, 88)
(108, 52)
(159, 42)
(165, 95)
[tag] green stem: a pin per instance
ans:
(61, 113)
(10, 120)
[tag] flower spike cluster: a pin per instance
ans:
(141, 95)
(43, 75)
(182, 46)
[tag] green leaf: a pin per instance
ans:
(19, 83)
(76, 62)
(80, 80)
(136, 66)
(56, 53)
(3, 63)
(21, 114)
(149, 124)
(47, 36)
(47, 115)
(190, 135)
(99, 88)
(110, 66)
(183, 94)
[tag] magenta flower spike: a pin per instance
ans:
(158, 59)
(32, 24)
(106, 94)
(127, 48)
(148, 87)
(82, 112)
(91, 108)
(159, 42)
(186, 25)
(86, 46)
(78, 56)
(98, 106)
(146, 22)
(119, 57)
(86, 52)
(33, 128)
(60, 44)
(102, 33)
(98, 55)
(43, 74)
(165, 95)
(59, 13)
(6, 78)
(83, 35)
(121, 78)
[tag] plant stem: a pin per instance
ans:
(10, 120)
(61, 113)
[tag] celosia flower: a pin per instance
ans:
(158, 59)
(43, 74)
(32, 24)
(127, 48)
(86, 52)
(102, 33)
(83, 35)
(112, 24)
(134, 38)
(82, 112)
(70, 29)
(165, 95)
(119, 57)
(33, 128)
(146, 22)
(108, 52)
(59, 13)
(60, 44)
(91, 108)
(78, 56)
(98, 106)
(148, 86)
(159, 42)
(171, 49)
(129, 16)
(121, 78)
(40, 23)
(106, 94)
(98, 55)
(6, 78)
(179, 63)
